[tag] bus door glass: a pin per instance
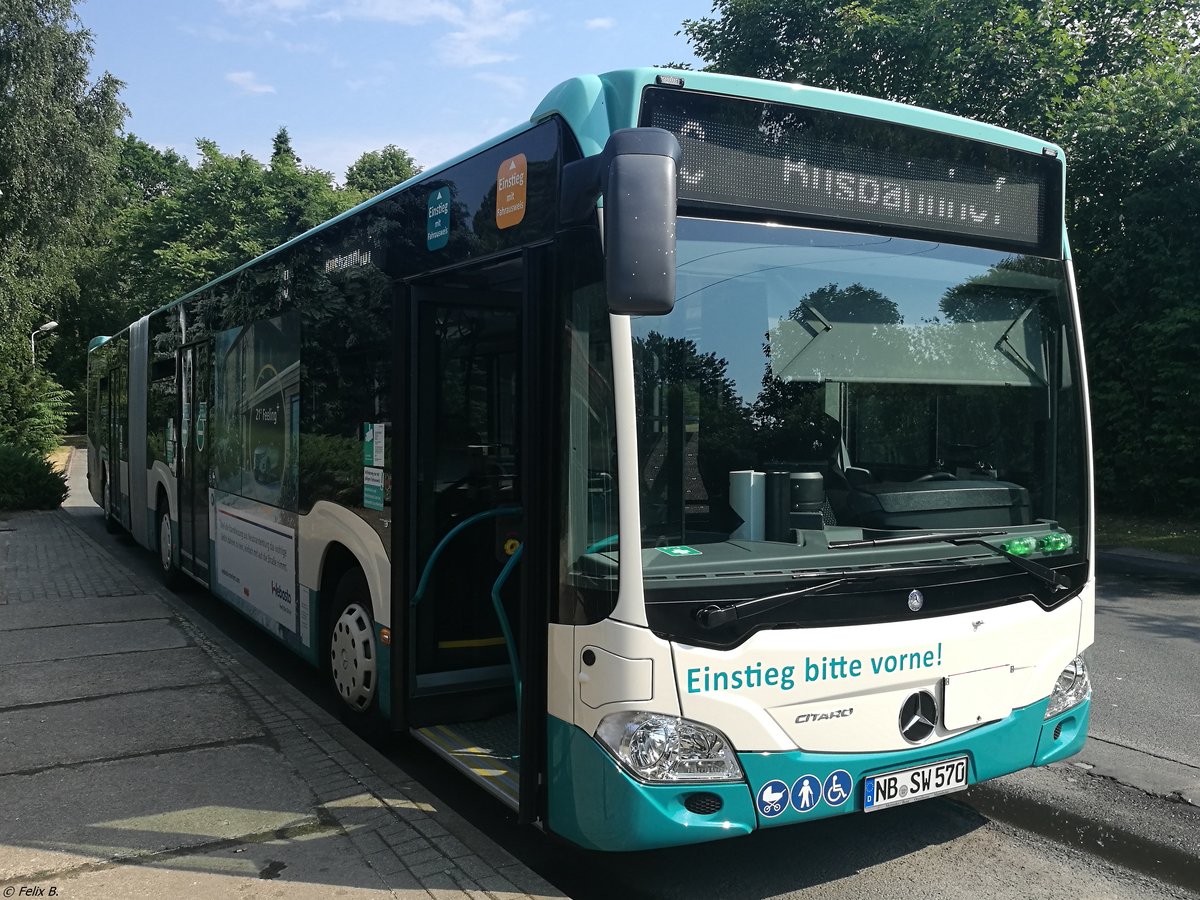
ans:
(116, 434)
(195, 444)
(466, 516)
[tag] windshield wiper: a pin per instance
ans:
(716, 615)
(1050, 576)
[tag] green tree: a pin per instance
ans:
(789, 416)
(103, 303)
(1016, 63)
(57, 153)
(145, 173)
(229, 210)
(1136, 219)
(282, 153)
(377, 170)
(1112, 80)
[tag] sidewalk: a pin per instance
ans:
(141, 756)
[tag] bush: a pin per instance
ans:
(33, 407)
(29, 481)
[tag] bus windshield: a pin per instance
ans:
(812, 386)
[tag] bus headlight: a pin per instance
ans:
(1072, 688)
(660, 748)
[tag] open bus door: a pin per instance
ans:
(474, 643)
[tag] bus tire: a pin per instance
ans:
(351, 653)
(167, 570)
(110, 524)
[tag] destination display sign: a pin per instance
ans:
(854, 170)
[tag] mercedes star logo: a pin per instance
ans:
(916, 600)
(918, 716)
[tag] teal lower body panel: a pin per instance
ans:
(1024, 738)
(383, 675)
(1064, 735)
(594, 803)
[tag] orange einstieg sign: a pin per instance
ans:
(510, 191)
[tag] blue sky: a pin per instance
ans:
(435, 77)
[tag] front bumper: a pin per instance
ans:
(596, 804)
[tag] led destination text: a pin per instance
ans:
(856, 169)
(865, 191)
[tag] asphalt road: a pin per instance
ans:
(1146, 664)
(940, 848)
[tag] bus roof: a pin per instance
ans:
(596, 105)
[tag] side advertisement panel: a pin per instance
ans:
(255, 566)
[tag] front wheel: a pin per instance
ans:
(352, 653)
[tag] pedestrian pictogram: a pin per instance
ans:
(806, 793)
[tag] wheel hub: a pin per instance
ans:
(352, 657)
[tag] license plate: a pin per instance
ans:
(917, 783)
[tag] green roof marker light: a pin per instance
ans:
(1054, 542)
(1021, 546)
(1057, 542)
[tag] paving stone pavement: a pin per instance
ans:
(143, 756)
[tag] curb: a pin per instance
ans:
(1155, 858)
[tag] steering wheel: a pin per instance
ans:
(937, 476)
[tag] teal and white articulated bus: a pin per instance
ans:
(703, 455)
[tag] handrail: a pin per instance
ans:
(602, 544)
(498, 606)
(470, 520)
(509, 642)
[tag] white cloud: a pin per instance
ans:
(487, 33)
(480, 32)
(216, 34)
(513, 86)
(274, 39)
(399, 12)
(602, 22)
(364, 84)
(249, 83)
(265, 7)
(266, 38)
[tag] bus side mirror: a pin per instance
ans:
(638, 175)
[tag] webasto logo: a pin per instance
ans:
(281, 592)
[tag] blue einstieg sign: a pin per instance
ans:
(437, 223)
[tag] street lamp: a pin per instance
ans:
(49, 326)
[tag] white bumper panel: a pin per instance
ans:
(839, 690)
(633, 671)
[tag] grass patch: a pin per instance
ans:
(1169, 534)
(60, 457)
